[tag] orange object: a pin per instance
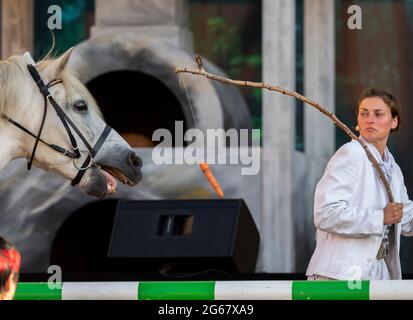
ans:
(208, 174)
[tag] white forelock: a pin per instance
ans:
(27, 56)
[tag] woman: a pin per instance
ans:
(350, 205)
(9, 269)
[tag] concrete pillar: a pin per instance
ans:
(277, 240)
(16, 27)
(163, 19)
(319, 79)
(319, 48)
(142, 12)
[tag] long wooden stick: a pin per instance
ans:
(201, 72)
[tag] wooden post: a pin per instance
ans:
(277, 233)
(16, 27)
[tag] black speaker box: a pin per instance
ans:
(184, 236)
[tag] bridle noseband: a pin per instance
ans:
(75, 153)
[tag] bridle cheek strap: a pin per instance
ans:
(50, 84)
(61, 114)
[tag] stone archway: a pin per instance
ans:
(135, 105)
(215, 105)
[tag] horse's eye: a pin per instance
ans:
(80, 105)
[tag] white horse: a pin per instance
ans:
(23, 106)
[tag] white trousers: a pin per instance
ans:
(379, 271)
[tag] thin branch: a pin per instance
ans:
(201, 72)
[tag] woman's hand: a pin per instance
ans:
(393, 213)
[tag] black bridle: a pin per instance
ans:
(75, 153)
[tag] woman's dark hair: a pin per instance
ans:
(9, 262)
(389, 99)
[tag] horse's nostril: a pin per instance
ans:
(134, 160)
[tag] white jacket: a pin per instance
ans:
(348, 214)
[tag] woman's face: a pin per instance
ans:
(375, 120)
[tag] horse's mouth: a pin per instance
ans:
(112, 174)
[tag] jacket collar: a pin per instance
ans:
(386, 163)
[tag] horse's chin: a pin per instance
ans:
(103, 180)
(96, 183)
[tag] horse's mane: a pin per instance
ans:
(11, 79)
(14, 74)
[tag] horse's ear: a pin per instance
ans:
(62, 62)
(54, 67)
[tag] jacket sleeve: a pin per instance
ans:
(334, 192)
(407, 220)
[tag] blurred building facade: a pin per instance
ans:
(302, 45)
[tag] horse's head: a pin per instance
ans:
(115, 160)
